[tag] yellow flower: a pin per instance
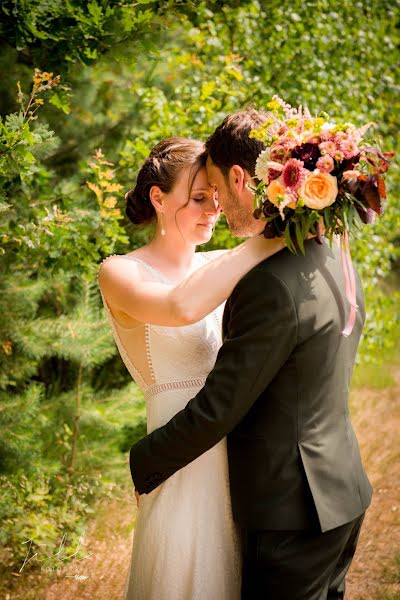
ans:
(107, 174)
(110, 202)
(112, 187)
(95, 188)
(274, 104)
(318, 190)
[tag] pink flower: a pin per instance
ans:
(325, 163)
(279, 153)
(359, 133)
(349, 175)
(290, 140)
(290, 201)
(338, 155)
(328, 147)
(349, 148)
(341, 136)
(325, 136)
(293, 174)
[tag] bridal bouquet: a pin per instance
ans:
(314, 172)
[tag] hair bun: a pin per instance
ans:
(139, 209)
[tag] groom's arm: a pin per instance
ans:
(262, 332)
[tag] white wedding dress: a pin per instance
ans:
(186, 545)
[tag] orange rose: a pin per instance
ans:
(275, 189)
(318, 190)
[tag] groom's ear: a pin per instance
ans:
(237, 178)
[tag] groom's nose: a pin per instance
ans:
(213, 207)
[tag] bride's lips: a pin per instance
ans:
(208, 225)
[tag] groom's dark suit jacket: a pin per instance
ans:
(279, 391)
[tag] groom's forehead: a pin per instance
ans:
(213, 172)
(209, 163)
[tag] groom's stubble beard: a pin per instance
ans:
(241, 221)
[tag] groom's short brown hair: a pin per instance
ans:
(230, 143)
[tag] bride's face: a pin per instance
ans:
(192, 218)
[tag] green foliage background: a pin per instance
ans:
(132, 74)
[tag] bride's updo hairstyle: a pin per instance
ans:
(162, 168)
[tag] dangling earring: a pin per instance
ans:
(163, 232)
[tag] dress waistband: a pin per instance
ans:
(154, 389)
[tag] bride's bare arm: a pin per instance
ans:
(122, 283)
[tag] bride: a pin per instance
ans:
(165, 303)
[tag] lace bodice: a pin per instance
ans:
(159, 357)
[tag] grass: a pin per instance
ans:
(391, 577)
(392, 573)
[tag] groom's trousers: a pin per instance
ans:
(298, 565)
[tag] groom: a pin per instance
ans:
(279, 391)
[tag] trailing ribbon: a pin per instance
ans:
(350, 282)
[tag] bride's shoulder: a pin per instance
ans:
(103, 266)
(109, 265)
(212, 254)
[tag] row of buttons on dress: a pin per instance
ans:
(108, 257)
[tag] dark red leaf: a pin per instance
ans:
(349, 163)
(367, 215)
(381, 187)
(383, 165)
(371, 195)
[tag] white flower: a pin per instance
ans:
(327, 125)
(262, 166)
